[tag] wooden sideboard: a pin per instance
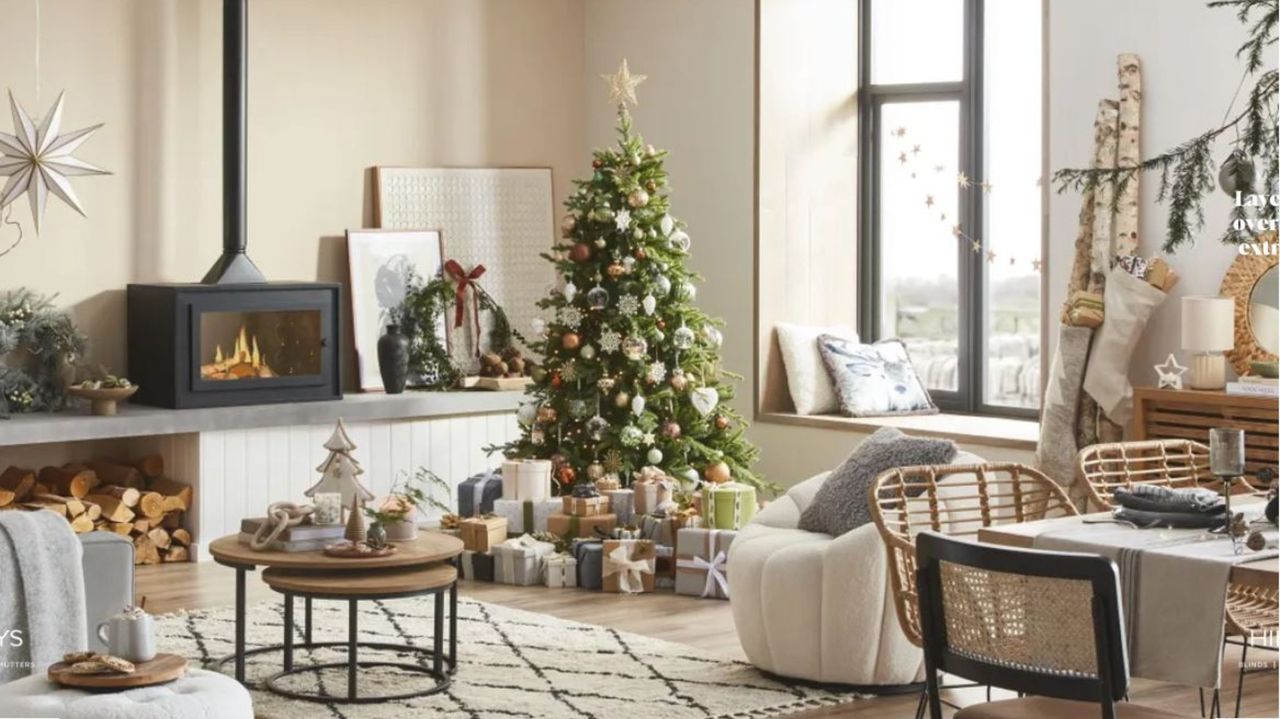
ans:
(1189, 414)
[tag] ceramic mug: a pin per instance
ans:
(129, 636)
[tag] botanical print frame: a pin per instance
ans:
(379, 262)
(502, 218)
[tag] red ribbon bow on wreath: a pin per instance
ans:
(463, 280)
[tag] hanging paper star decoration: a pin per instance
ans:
(622, 85)
(38, 160)
(1170, 374)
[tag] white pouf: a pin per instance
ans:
(199, 695)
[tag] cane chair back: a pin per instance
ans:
(1174, 463)
(956, 500)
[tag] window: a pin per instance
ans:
(950, 197)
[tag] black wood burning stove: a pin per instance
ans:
(234, 338)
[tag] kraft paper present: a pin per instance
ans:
(526, 479)
(585, 506)
(628, 565)
(477, 566)
(622, 504)
(477, 493)
(589, 554)
(652, 492)
(519, 561)
(566, 525)
(525, 516)
(482, 534)
(608, 483)
(560, 570)
(701, 559)
(660, 529)
(728, 506)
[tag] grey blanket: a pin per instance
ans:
(42, 614)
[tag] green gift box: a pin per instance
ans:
(728, 506)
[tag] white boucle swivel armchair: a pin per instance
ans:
(811, 606)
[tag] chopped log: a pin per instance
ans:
(172, 520)
(151, 505)
(69, 482)
(151, 466)
(171, 488)
(81, 524)
(41, 488)
(144, 550)
(174, 504)
(177, 554)
(6, 497)
(92, 511)
(141, 526)
(18, 481)
(124, 529)
(113, 509)
(50, 504)
(181, 537)
(128, 496)
(121, 475)
(160, 538)
(71, 506)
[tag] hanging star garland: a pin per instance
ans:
(37, 160)
(622, 85)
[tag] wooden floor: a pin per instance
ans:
(702, 623)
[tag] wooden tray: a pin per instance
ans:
(164, 668)
(344, 551)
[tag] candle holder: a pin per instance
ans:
(1226, 462)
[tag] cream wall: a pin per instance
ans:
(332, 93)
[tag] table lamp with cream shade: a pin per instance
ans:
(1208, 330)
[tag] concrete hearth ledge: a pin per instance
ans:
(139, 421)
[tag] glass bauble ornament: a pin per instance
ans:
(570, 291)
(659, 336)
(682, 338)
(649, 304)
(568, 225)
(666, 224)
(690, 477)
(600, 243)
(722, 422)
(638, 198)
(566, 475)
(579, 408)
(539, 326)
(718, 473)
(595, 471)
(634, 347)
(615, 270)
(680, 241)
(671, 429)
(631, 435)
(637, 233)
(527, 413)
(637, 405)
(628, 264)
(580, 253)
(654, 455)
(597, 298)
(587, 352)
(663, 284)
(621, 399)
(713, 336)
(679, 380)
(689, 291)
(596, 427)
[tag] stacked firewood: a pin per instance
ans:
(133, 499)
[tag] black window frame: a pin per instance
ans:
(970, 396)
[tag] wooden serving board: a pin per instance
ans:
(496, 384)
(164, 668)
(347, 552)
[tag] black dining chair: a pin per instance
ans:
(1044, 624)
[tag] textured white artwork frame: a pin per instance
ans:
(502, 218)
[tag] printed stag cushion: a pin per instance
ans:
(874, 380)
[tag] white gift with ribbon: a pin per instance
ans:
(561, 570)
(714, 570)
(519, 560)
(526, 479)
(629, 571)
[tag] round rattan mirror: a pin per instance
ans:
(1253, 281)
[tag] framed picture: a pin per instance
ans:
(380, 264)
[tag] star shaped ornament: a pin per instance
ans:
(622, 85)
(1170, 374)
(38, 160)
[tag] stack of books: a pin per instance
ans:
(302, 538)
(1251, 386)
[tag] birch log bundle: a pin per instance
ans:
(133, 499)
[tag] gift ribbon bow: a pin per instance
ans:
(629, 570)
(465, 279)
(714, 570)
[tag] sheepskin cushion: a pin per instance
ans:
(807, 379)
(199, 695)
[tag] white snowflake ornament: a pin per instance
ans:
(610, 341)
(657, 372)
(628, 305)
(571, 317)
(622, 220)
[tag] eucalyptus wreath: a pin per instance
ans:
(419, 316)
(38, 344)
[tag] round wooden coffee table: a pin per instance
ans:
(428, 548)
(353, 587)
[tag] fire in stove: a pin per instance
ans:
(245, 362)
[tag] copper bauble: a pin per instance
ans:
(615, 270)
(717, 473)
(622, 399)
(722, 422)
(638, 198)
(671, 429)
(640, 254)
(597, 163)
(570, 340)
(651, 186)
(580, 253)
(662, 324)
(546, 414)
(566, 475)
(568, 225)
(556, 380)
(679, 381)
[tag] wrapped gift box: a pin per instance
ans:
(560, 570)
(727, 506)
(622, 503)
(659, 529)
(519, 560)
(652, 491)
(608, 483)
(567, 525)
(701, 558)
(525, 516)
(585, 506)
(589, 553)
(477, 566)
(628, 565)
(482, 534)
(477, 493)
(664, 567)
(526, 479)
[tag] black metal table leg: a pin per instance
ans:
(352, 661)
(453, 626)
(306, 635)
(240, 622)
(288, 632)
(437, 636)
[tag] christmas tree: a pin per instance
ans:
(631, 373)
(340, 471)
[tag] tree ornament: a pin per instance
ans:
(605, 384)
(657, 372)
(580, 253)
(631, 436)
(671, 429)
(570, 317)
(615, 270)
(661, 324)
(622, 220)
(570, 340)
(690, 477)
(597, 163)
(639, 253)
(622, 399)
(597, 298)
(610, 341)
(354, 532)
(628, 305)
(558, 459)
(587, 352)
(570, 291)
(654, 455)
(557, 380)
(527, 413)
(637, 405)
(651, 186)
(667, 224)
(537, 436)
(689, 291)
(622, 85)
(547, 414)
(1237, 174)
(566, 475)
(637, 234)
(718, 473)
(659, 336)
(539, 326)
(663, 284)
(568, 225)
(678, 380)
(649, 304)
(628, 265)
(578, 408)
(722, 422)
(600, 242)
(539, 374)
(340, 472)
(704, 400)
(634, 347)
(595, 471)
(682, 338)
(680, 241)
(713, 336)
(596, 427)
(638, 198)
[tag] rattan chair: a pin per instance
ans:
(1250, 611)
(1041, 623)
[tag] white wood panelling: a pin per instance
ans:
(242, 471)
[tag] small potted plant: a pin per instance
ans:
(395, 519)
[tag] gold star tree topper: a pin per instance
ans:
(622, 85)
(38, 160)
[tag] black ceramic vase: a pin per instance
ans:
(393, 359)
